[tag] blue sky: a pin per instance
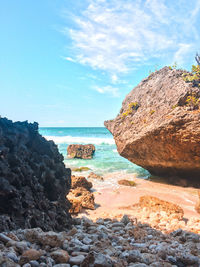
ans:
(71, 63)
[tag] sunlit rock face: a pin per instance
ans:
(158, 126)
(33, 179)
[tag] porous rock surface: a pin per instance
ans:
(81, 151)
(156, 127)
(80, 196)
(33, 180)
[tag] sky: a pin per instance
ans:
(70, 63)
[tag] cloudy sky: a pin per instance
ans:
(71, 63)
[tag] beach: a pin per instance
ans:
(113, 200)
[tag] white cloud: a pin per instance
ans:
(182, 53)
(69, 59)
(117, 35)
(113, 91)
(114, 78)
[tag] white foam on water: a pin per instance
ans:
(80, 140)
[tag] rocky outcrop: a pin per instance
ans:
(81, 151)
(33, 180)
(80, 196)
(80, 181)
(156, 205)
(158, 126)
(93, 175)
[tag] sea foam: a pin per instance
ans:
(80, 140)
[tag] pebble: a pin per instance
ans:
(104, 243)
(77, 259)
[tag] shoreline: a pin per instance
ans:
(113, 201)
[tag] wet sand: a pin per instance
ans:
(113, 200)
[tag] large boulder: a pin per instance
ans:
(158, 126)
(33, 180)
(81, 151)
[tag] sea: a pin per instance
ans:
(106, 158)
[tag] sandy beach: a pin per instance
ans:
(114, 200)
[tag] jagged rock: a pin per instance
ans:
(33, 179)
(93, 175)
(80, 181)
(50, 238)
(60, 256)
(158, 126)
(30, 254)
(81, 151)
(126, 182)
(81, 198)
(155, 204)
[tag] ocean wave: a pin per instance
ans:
(80, 140)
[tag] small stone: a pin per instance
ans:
(12, 256)
(72, 232)
(125, 219)
(34, 264)
(77, 259)
(60, 256)
(138, 265)
(87, 241)
(29, 255)
(4, 238)
(62, 265)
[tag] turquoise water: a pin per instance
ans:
(106, 158)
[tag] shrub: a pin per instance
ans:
(131, 107)
(194, 76)
(192, 101)
(152, 112)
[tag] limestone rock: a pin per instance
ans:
(60, 256)
(81, 151)
(158, 126)
(79, 181)
(30, 254)
(93, 175)
(155, 204)
(81, 198)
(33, 179)
(126, 182)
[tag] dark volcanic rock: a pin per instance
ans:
(33, 180)
(158, 126)
(81, 151)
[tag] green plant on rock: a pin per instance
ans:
(192, 101)
(152, 112)
(174, 106)
(194, 76)
(174, 66)
(131, 107)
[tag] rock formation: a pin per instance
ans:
(33, 180)
(81, 151)
(80, 195)
(158, 126)
(156, 205)
(93, 175)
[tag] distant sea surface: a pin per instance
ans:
(106, 158)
